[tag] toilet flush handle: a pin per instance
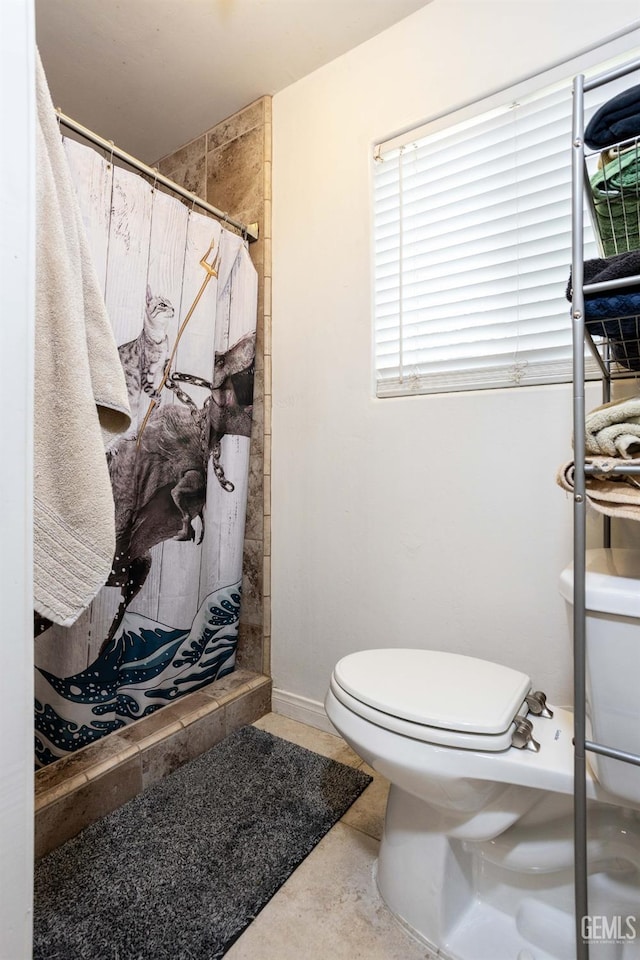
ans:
(537, 703)
(522, 736)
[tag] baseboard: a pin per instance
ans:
(304, 709)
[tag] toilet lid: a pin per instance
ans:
(438, 689)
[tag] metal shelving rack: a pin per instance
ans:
(580, 184)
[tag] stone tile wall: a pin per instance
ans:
(230, 167)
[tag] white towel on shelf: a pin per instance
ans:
(613, 429)
(611, 494)
(80, 393)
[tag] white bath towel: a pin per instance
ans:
(611, 494)
(613, 429)
(80, 393)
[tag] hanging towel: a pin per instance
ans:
(613, 429)
(612, 494)
(80, 393)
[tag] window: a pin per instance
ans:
(472, 233)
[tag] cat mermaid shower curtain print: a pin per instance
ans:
(166, 623)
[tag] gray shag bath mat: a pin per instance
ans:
(181, 870)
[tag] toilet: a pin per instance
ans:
(476, 857)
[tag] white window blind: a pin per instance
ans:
(472, 237)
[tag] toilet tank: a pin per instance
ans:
(612, 589)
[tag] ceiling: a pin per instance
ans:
(153, 74)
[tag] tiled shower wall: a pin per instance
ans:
(229, 166)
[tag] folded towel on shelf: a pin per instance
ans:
(613, 429)
(617, 119)
(80, 399)
(611, 494)
(610, 306)
(615, 189)
(614, 315)
(610, 268)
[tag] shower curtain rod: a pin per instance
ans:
(250, 231)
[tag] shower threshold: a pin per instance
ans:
(88, 784)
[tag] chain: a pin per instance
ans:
(191, 378)
(203, 416)
(218, 469)
(172, 384)
(181, 395)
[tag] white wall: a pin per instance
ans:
(16, 385)
(425, 521)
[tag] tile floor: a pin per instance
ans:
(329, 909)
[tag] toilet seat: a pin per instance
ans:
(434, 696)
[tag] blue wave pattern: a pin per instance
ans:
(147, 665)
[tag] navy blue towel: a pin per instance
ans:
(614, 314)
(617, 119)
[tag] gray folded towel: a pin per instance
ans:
(613, 429)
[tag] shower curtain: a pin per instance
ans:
(166, 622)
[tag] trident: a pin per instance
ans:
(211, 270)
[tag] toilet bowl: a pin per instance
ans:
(476, 857)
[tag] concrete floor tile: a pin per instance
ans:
(367, 813)
(303, 735)
(329, 909)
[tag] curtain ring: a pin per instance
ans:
(154, 185)
(110, 164)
